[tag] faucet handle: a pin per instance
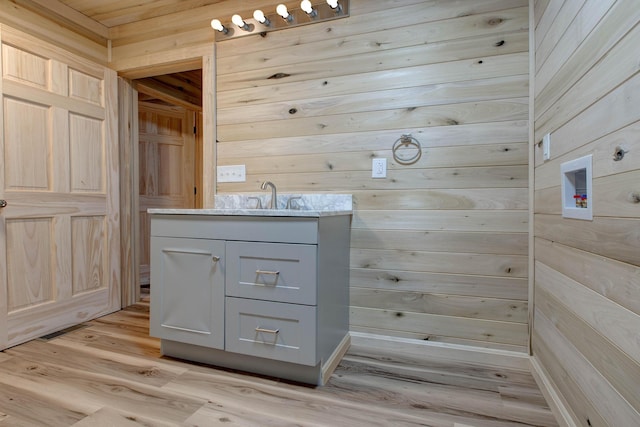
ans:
(259, 201)
(290, 205)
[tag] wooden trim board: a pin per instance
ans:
(332, 362)
(562, 412)
(438, 350)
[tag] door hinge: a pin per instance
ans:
(195, 130)
(195, 191)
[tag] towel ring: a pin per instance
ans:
(405, 141)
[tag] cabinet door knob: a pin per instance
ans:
(3, 203)
(215, 258)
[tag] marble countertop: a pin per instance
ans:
(301, 205)
(251, 212)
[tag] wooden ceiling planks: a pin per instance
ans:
(112, 13)
(183, 88)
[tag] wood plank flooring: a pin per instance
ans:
(109, 372)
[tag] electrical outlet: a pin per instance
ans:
(546, 147)
(379, 168)
(231, 173)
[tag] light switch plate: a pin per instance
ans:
(379, 168)
(232, 173)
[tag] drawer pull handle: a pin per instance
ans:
(269, 331)
(273, 273)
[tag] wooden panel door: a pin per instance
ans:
(59, 234)
(167, 166)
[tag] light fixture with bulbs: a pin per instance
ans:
(309, 12)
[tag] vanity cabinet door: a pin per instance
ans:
(187, 290)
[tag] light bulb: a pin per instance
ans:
(282, 11)
(258, 15)
(306, 6)
(217, 25)
(333, 3)
(237, 19)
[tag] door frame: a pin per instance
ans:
(129, 166)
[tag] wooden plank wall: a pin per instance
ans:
(439, 248)
(587, 273)
(73, 36)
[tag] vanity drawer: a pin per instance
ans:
(285, 332)
(271, 271)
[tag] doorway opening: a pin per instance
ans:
(169, 153)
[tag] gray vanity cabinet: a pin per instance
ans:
(262, 294)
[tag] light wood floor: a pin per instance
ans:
(109, 372)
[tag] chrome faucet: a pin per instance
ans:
(274, 196)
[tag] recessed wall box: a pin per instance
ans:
(577, 193)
